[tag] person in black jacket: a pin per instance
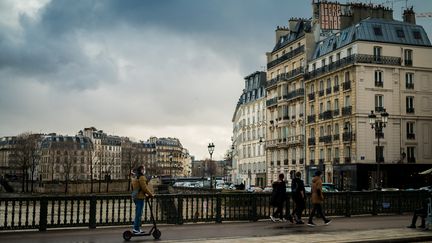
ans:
(278, 198)
(299, 197)
(422, 212)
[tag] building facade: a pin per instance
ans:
(285, 104)
(375, 65)
(249, 129)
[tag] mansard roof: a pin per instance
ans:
(374, 30)
(299, 31)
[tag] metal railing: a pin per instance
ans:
(43, 212)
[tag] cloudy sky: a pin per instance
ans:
(137, 68)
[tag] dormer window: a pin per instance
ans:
(400, 33)
(417, 35)
(377, 30)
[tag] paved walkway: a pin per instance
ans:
(354, 229)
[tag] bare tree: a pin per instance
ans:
(26, 156)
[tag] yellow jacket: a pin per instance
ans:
(143, 185)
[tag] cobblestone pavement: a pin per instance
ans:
(354, 229)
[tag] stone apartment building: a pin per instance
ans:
(285, 99)
(326, 74)
(106, 157)
(65, 157)
(375, 64)
(249, 129)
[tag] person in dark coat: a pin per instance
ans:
(299, 197)
(422, 212)
(278, 198)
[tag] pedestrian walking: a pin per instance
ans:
(278, 198)
(299, 197)
(317, 199)
(422, 212)
(140, 192)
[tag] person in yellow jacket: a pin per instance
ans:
(140, 192)
(317, 199)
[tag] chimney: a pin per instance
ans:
(292, 24)
(281, 31)
(409, 16)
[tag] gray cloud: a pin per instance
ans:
(134, 68)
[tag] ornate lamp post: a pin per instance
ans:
(378, 124)
(211, 150)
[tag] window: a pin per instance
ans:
(336, 81)
(417, 35)
(312, 109)
(336, 104)
(410, 104)
(377, 30)
(328, 105)
(400, 33)
(408, 56)
(379, 78)
(312, 154)
(321, 108)
(321, 155)
(328, 91)
(410, 130)
(337, 56)
(347, 76)
(411, 154)
(377, 53)
(321, 85)
(409, 80)
(379, 103)
(312, 132)
(312, 89)
(349, 52)
(347, 101)
(336, 129)
(321, 131)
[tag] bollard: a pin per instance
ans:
(92, 216)
(43, 214)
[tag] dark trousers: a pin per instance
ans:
(317, 208)
(419, 212)
(298, 208)
(279, 211)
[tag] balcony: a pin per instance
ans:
(336, 112)
(347, 160)
(379, 109)
(355, 58)
(321, 93)
(410, 110)
(409, 85)
(298, 139)
(312, 162)
(347, 136)
(335, 88)
(321, 161)
(346, 111)
(327, 115)
(285, 162)
(293, 161)
(311, 96)
(286, 56)
(295, 94)
(379, 84)
(311, 141)
(336, 137)
(328, 91)
(272, 102)
(411, 160)
(346, 85)
(326, 139)
(335, 160)
(408, 62)
(311, 118)
(301, 161)
(410, 136)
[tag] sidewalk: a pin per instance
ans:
(354, 229)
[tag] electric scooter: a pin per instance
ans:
(127, 235)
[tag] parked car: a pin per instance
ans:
(268, 189)
(254, 189)
(308, 188)
(329, 187)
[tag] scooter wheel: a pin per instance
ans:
(156, 234)
(127, 235)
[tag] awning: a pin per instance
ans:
(429, 171)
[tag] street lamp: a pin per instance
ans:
(378, 124)
(211, 150)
